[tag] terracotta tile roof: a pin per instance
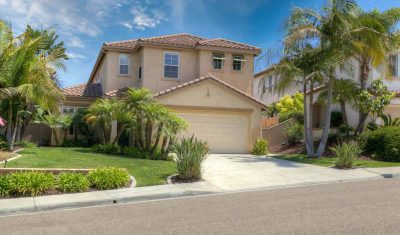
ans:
(182, 40)
(84, 90)
(207, 77)
(116, 92)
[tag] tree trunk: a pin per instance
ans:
(10, 147)
(306, 136)
(344, 112)
(119, 133)
(140, 132)
(327, 121)
(159, 131)
(311, 121)
(164, 144)
(148, 134)
(54, 133)
(364, 74)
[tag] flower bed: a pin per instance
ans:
(34, 182)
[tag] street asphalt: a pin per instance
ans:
(360, 207)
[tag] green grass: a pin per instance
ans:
(146, 172)
(329, 161)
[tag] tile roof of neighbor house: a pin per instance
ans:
(90, 90)
(119, 92)
(183, 40)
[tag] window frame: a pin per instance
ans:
(222, 60)
(178, 65)
(235, 60)
(120, 64)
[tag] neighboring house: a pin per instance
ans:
(265, 89)
(208, 82)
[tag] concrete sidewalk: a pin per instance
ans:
(242, 173)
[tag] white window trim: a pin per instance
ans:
(214, 57)
(241, 64)
(179, 64)
(119, 65)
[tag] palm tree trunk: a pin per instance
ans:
(327, 121)
(306, 136)
(119, 133)
(140, 132)
(148, 134)
(10, 146)
(364, 74)
(53, 131)
(164, 144)
(311, 121)
(159, 131)
(344, 112)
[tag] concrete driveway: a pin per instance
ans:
(240, 172)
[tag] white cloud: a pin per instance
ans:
(74, 41)
(145, 15)
(75, 56)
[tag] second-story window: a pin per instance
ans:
(238, 61)
(394, 65)
(123, 64)
(171, 65)
(218, 60)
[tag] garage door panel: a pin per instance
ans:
(224, 133)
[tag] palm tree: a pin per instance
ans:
(54, 121)
(330, 30)
(26, 68)
(101, 113)
(371, 46)
(344, 90)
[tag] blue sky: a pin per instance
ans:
(85, 25)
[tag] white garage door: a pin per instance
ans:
(223, 133)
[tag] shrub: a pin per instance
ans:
(346, 154)
(190, 154)
(297, 115)
(295, 133)
(4, 185)
(107, 148)
(26, 144)
(31, 183)
(383, 142)
(72, 183)
(108, 178)
(260, 147)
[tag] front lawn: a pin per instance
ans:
(146, 172)
(329, 161)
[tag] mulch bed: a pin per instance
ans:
(176, 180)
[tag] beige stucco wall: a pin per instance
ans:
(210, 96)
(153, 71)
(243, 80)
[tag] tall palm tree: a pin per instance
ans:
(101, 113)
(344, 91)
(26, 68)
(330, 30)
(371, 46)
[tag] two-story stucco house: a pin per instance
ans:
(208, 82)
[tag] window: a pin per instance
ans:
(140, 72)
(394, 65)
(171, 65)
(238, 61)
(123, 64)
(140, 65)
(218, 60)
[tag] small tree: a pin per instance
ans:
(374, 100)
(54, 121)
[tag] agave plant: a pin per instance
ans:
(387, 120)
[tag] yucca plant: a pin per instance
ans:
(190, 154)
(346, 153)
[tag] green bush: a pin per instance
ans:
(31, 183)
(108, 178)
(346, 154)
(72, 182)
(295, 132)
(384, 143)
(107, 148)
(297, 115)
(4, 185)
(26, 144)
(190, 154)
(260, 147)
(134, 153)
